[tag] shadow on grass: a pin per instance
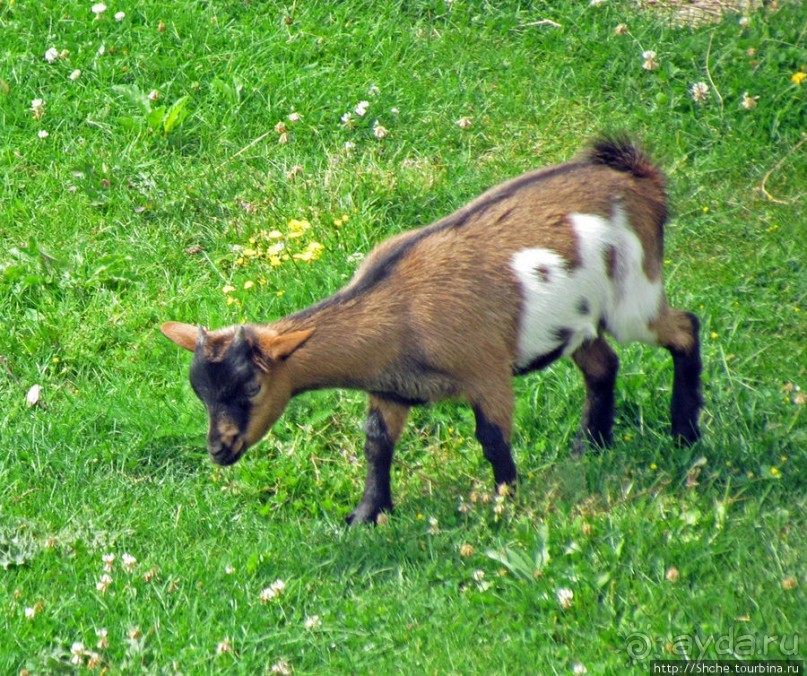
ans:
(181, 456)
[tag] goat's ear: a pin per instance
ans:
(277, 348)
(184, 335)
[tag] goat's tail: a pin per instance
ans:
(620, 152)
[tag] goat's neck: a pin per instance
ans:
(351, 345)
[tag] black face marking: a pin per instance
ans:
(385, 265)
(583, 307)
(225, 386)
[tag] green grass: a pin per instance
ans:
(127, 215)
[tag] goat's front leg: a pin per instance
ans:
(383, 426)
(494, 419)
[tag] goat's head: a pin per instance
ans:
(241, 376)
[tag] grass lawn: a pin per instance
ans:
(152, 164)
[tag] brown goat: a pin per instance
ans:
(536, 268)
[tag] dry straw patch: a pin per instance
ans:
(700, 12)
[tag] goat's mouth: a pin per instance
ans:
(228, 455)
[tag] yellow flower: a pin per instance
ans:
(798, 78)
(775, 471)
(248, 285)
(273, 234)
(228, 288)
(297, 228)
(311, 253)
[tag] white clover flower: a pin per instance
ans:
(109, 562)
(434, 526)
(744, 21)
(77, 652)
(103, 584)
(30, 613)
(43, 133)
(464, 122)
(347, 119)
(312, 622)
(564, 597)
(373, 91)
(361, 108)
(294, 117)
(273, 591)
(51, 55)
(597, 3)
(120, 16)
(75, 75)
(478, 575)
(749, 102)
(154, 95)
(128, 563)
(93, 660)
(224, 647)
(579, 668)
(281, 667)
(103, 643)
(101, 49)
(38, 108)
(699, 92)
(649, 60)
(98, 9)
(379, 131)
(349, 145)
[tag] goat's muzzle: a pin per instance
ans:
(226, 454)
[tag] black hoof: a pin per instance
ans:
(366, 514)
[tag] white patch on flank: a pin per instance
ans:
(553, 295)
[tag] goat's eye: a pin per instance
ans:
(253, 389)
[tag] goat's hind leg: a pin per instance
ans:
(677, 331)
(383, 426)
(599, 364)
